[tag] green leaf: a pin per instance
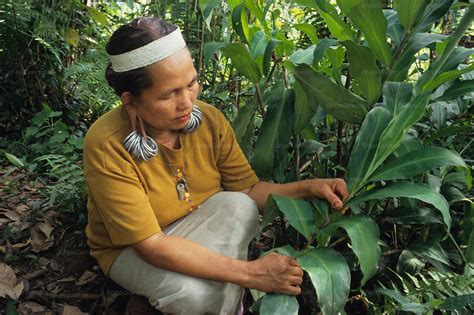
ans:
(410, 190)
(365, 146)
(432, 12)
(338, 28)
(71, 36)
(431, 252)
(267, 56)
(264, 153)
(409, 263)
(415, 43)
(97, 16)
(14, 160)
(309, 30)
(11, 307)
(239, 22)
(396, 129)
(426, 81)
(409, 11)
(458, 89)
(303, 109)
(330, 276)
(243, 122)
(409, 143)
(394, 29)
(303, 56)
(364, 235)
(417, 162)
(368, 16)
(207, 7)
(396, 95)
(407, 216)
(446, 77)
(299, 214)
(455, 303)
(279, 304)
(335, 99)
(242, 61)
(321, 211)
(258, 44)
(321, 48)
(210, 49)
(364, 68)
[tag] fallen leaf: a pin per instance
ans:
(9, 285)
(41, 237)
(22, 208)
(67, 279)
(87, 276)
(43, 261)
(30, 308)
(12, 215)
(71, 310)
(46, 228)
(53, 288)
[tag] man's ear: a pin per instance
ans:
(127, 99)
(129, 106)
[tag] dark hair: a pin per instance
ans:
(137, 33)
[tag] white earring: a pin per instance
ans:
(194, 121)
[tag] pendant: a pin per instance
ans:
(182, 187)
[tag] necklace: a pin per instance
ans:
(181, 186)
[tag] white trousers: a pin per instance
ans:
(225, 223)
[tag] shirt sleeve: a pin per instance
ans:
(123, 206)
(236, 172)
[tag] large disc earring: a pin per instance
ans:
(194, 121)
(139, 145)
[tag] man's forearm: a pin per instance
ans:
(183, 256)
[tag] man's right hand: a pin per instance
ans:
(275, 273)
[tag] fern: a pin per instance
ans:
(434, 290)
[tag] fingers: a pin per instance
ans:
(341, 189)
(331, 197)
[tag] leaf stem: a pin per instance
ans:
(457, 247)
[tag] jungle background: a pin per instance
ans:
(377, 92)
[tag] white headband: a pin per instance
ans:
(150, 53)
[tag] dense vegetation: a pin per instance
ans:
(377, 92)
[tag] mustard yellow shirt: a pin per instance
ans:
(130, 200)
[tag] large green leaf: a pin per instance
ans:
(426, 81)
(417, 162)
(303, 109)
(396, 95)
(410, 190)
(258, 44)
(446, 77)
(409, 143)
(364, 235)
(368, 16)
(409, 263)
(303, 56)
(410, 11)
(415, 43)
(396, 129)
(394, 29)
(433, 11)
(456, 90)
(309, 30)
(244, 117)
(267, 56)
(432, 252)
(240, 22)
(330, 276)
(242, 61)
(279, 304)
(338, 28)
(456, 303)
(418, 215)
(207, 7)
(299, 214)
(364, 68)
(210, 49)
(365, 146)
(321, 48)
(97, 15)
(335, 99)
(264, 153)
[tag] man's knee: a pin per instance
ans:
(188, 295)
